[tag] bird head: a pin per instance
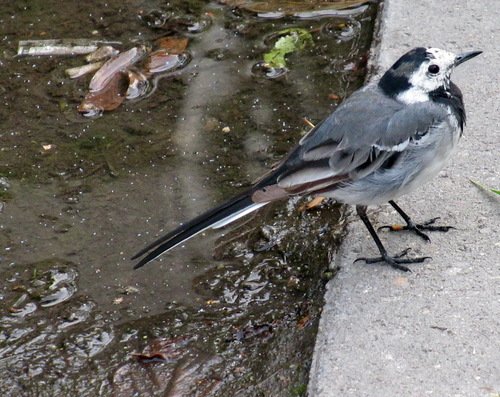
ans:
(421, 71)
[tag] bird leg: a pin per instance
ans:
(397, 261)
(414, 227)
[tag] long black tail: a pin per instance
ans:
(214, 218)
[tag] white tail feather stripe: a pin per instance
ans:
(237, 215)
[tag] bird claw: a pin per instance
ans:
(430, 221)
(396, 261)
(428, 226)
(418, 227)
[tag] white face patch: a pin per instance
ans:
(433, 73)
(413, 95)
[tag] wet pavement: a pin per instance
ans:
(229, 313)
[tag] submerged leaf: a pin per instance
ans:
(291, 40)
(108, 98)
(172, 44)
(111, 68)
(163, 61)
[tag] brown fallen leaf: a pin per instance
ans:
(304, 321)
(172, 44)
(163, 61)
(111, 68)
(315, 202)
(108, 98)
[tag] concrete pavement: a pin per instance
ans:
(435, 331)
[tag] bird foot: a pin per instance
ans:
(418, 227)
(396, 261)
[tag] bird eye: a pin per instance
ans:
(433, 69)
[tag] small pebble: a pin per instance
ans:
(4, 182)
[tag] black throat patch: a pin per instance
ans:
(452, 98)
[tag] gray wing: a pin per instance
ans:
(355, 140)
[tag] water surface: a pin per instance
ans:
(232, 312)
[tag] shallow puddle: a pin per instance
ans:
(230, 313)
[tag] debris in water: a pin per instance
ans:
(200, 25)
(79, 71)
(308, 122)
(108, 86)
(334, 97)
(109, 97)
(128, 290)
(304, 321)
(161, 61)
(262, 330)
(138, 84)
(102, 53)
(343, 31)
(312, 204)
(48, 147)
(149, 358)
(286, 42)
(290, 40)
(112, 67)
(187, 24)
(61, 295)
(155, 19)
(172, 44)
(164, 349)
(261, 68)
(4, 183)
(60, 46)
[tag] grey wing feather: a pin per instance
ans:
(352, 147)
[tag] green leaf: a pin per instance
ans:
(291, 40)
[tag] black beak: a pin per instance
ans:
(465, 57)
